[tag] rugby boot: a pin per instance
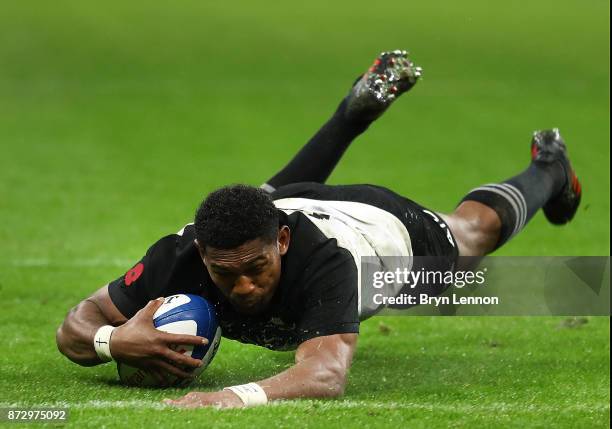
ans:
(392, 74)
(548, 146)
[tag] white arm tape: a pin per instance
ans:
(251, 394)
(102, 343)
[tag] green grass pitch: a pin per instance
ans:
(117, 118)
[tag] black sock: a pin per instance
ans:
(317, 159)
(516, 200)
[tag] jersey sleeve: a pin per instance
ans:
(330, 299)
(146, 280)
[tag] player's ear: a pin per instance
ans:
(284, 236)
(199, 247)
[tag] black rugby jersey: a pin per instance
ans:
(320, 291)
(316, 295)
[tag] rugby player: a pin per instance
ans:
(281, 263)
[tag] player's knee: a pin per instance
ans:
(476, 228)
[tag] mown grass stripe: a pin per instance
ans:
(339, 405)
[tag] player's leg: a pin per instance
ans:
(492, 214)
(391, 75)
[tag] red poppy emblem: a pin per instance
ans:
(132, 275)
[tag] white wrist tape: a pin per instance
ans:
(102, 343)
(251, 394)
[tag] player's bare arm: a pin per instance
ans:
(134, 341)
(76, 334)
(320, 371)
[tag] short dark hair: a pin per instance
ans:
(233, 215)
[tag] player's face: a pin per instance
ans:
(249, 274)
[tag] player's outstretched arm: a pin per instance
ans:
(135, 341)
(320, 371)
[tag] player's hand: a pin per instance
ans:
(138, 343)
(221, 399)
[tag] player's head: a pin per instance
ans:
(241, 243)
